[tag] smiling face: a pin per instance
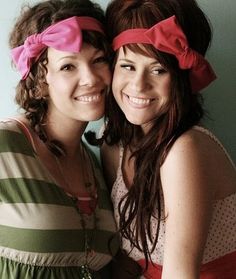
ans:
(141, 87)
(77, 83)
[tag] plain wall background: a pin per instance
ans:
(220, 97)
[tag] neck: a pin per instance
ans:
(69, 135)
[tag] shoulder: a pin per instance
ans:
(200, 162)
(8, 130)
(8, 125)
(12, 138)
(193, 146)
(190, 166)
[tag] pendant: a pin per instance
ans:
(85, 272)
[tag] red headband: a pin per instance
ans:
(65, 35)
(167, 36)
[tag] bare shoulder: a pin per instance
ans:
(195, 156)
(110, 161)
(190, 187)
(190, 146)
(195, 144)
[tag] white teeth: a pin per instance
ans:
(140, 101)
(88, 99)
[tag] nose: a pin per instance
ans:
(88, 76)
(140, 82)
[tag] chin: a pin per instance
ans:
(135, 121)
(96, 117)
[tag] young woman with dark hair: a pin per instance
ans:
(173, 183)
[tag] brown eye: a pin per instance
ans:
(159, 71)
(127, 67)
(67, 67)
(100, 59)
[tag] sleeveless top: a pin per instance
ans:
(40, 225)
(221, 238)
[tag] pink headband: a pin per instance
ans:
(167, 36)
(65, 35)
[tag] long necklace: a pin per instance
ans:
(84, 270)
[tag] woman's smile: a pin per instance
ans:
(137, 102)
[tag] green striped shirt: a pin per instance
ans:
(40, 227)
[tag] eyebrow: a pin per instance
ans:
(74, 57)
(68, 56)
(125, 60)
(131, 61)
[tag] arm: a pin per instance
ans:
(188, 193)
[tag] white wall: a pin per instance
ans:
(220, 96)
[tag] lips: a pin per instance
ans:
(89, 98)
(138, 102)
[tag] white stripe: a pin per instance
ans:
(7, 124)
(16, 165)
(96, 262)
(51, 217)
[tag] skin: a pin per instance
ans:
(194, 184)
(77, 83)
(80, 80)
(141, 87)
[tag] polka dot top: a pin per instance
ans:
(221, 237)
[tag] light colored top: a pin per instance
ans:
(221, 238)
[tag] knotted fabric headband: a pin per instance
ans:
(167, 36)
(65, 35)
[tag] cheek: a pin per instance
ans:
(51, 80)
(117, 81)
(106, 75)
(115, 87)
(108, 78)
(166, 87)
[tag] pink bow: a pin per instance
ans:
(167, 36)
(66, 35)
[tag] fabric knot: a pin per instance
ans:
(32, 45)
(188, 59)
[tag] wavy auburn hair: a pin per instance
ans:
(144, 201)
(31, 92)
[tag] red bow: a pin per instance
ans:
(167, 36)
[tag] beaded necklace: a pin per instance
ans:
(84, 271)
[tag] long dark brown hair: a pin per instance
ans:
(143, 201)
(31, 92)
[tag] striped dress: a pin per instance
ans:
(40, 226)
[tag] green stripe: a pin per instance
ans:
(52, 241)
(17, 270)
(22, 190)
(104, 201)
(11, 141)
(18, 190)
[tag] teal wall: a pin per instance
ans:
(220, 97)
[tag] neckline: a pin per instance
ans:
(25, 130)
(120, 178)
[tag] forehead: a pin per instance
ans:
(87, 51)
(127, 53)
